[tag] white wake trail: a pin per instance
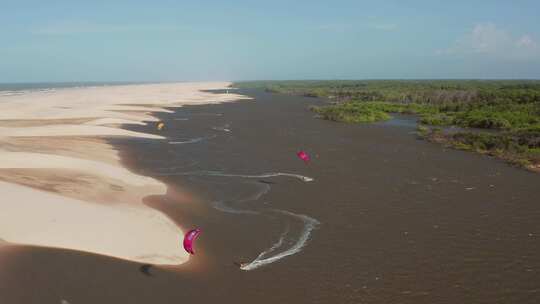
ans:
(266, 258)
(191, 141)
(264, 175)
(223, 207)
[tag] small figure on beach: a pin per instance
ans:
(145, 269)
(189, 238)
(160, 126)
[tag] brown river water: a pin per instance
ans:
(387, 218)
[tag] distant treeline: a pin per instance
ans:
(436, 92)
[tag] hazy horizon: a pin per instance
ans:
(4, 85)
(120, 82)
(166, 41)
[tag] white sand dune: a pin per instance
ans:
(63, 185)
(71, 130)
(25, 160)
(39, 218)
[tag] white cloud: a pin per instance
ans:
(526, 42)
(488, 40)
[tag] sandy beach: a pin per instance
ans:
(63, 184)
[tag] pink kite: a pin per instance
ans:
(189, 238)
(303, 156)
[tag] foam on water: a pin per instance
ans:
(264, 175)
(11, 93)
(220, 174)
(191, 141)
(262, 190)
(225, 128)
(223, 207)
(269, 256)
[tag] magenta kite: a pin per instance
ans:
(303, 156)
(189, 238)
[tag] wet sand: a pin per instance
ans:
(400, 220)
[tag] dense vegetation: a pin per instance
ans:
(511, 107)
(520, 147)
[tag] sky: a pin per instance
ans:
(115, 40)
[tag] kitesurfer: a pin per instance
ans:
(160, 125)
(240, 264)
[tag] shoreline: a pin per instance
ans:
(57, 161)
(392, 210)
